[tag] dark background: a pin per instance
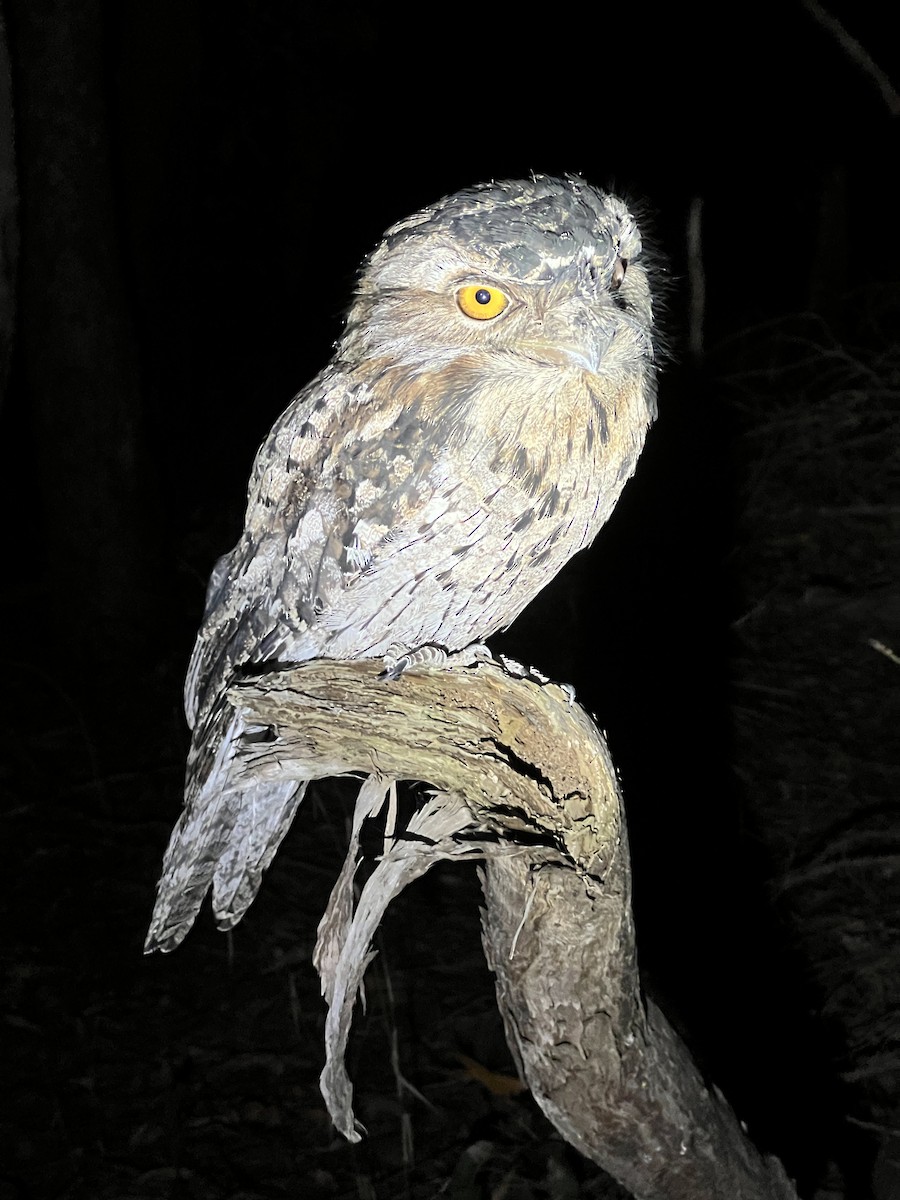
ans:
(197, 186)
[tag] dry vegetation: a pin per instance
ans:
(817, 678)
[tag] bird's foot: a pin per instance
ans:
(398, 660)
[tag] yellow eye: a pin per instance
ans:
(480, 302)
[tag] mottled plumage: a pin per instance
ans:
(426, 485)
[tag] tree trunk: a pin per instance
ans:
(524, 780)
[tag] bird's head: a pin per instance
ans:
(540, 275)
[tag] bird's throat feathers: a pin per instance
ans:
(528, 421)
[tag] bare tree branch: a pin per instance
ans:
(524, 779)
(857, 53)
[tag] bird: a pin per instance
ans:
(482, 411)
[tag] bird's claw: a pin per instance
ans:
(399, 660)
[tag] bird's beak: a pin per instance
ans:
(583, 354)
(584, 358)
(574, 340)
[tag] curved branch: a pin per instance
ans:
(524, 779)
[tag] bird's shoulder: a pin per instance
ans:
(342, 468)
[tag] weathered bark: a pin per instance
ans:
(525, 778)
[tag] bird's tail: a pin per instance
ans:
(226, 836)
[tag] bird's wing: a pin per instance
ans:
(263, 594)
(260, 600)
